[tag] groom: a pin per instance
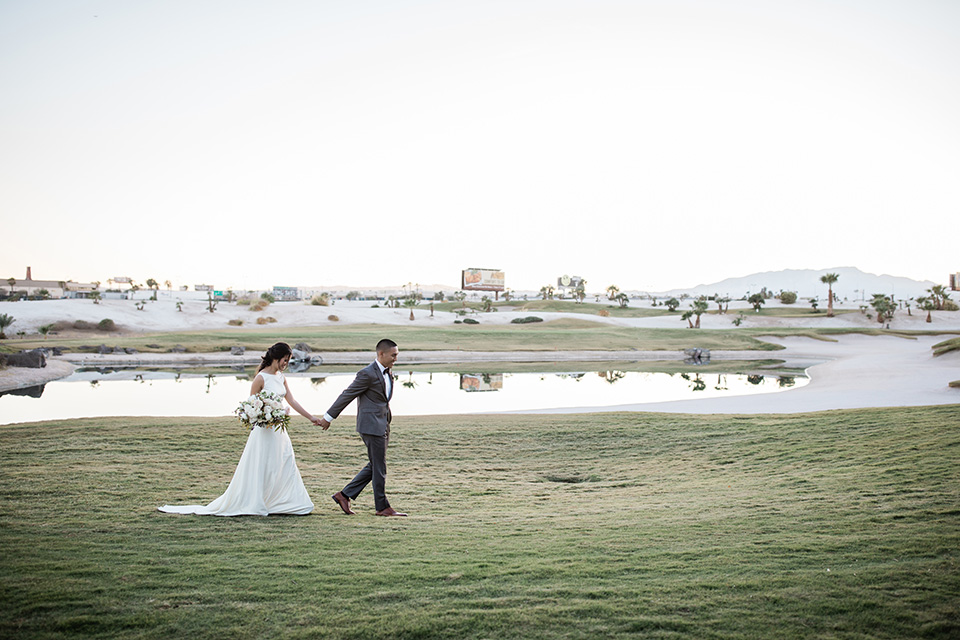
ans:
(373, 388)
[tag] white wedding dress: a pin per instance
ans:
(266, 481)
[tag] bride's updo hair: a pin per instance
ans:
(277, 352)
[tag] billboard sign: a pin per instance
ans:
(571, 282)
(123, 279)
(203, 287)
(482, 280)
(481, 381)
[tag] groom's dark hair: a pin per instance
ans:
(385, 345)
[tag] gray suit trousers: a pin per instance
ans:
(375, 470)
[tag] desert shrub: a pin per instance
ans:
(458, 322)
(83, 325)
(950, 305)
(374, 306)
(259, 305)
(603, 313)
(235, 322)
(333, 318)
(470, 321)
(245, 302)
(321, 300)
(268, 297)
(107, 325)
(788, 297)
(61, 325)
(524, 320)
(266, 319)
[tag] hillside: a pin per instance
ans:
(852, 284)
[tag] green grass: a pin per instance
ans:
(946, 346)
(564, 334)
(841, 524)
(530, 307)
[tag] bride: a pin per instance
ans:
(267, 480)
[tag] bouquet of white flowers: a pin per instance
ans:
(263, 410)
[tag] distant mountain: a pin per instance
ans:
(852, 284)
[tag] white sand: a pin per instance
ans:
(856, 371)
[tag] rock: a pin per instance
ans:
(300, 356)
(35, 359)
(131, 350)
(31, 392)
(104, 349)
(152, 346)
(237, 351)
(57, 351)
(697, 355)
(119, 350)
(178, 349)
(302, 346)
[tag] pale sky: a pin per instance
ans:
(648, 144)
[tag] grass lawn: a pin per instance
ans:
(841, 524)
(531, 307)
(564, 334)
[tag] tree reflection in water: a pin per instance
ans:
(698, 383)
(612, 376)
(755, 379)
(721, 382)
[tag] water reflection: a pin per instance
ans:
(481, 381)
(142, 392)
(28, 392)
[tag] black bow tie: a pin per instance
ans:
(386, 371)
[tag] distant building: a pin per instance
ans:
(203, 287)
(955, 281)
(55, 288)
(286, 293)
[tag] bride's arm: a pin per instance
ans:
(296, 405)
(257, 385)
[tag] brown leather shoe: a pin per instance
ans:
(390, 511)
(344, 502)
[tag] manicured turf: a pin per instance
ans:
(842, 524)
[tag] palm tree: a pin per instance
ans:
(44, 330)
(168, 284)
(884, 306)
(829, 279)
(5, 321)
(757, 301)
(153, 285)
(938, 293)
(672, 304)
(721, 302)
(612, 292)
(928, 305)
(698, 308)
(12, 282)
(546, 291)
(580, 292)
(623, 299)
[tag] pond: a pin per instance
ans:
(141, 392)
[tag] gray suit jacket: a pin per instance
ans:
(373, 404)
